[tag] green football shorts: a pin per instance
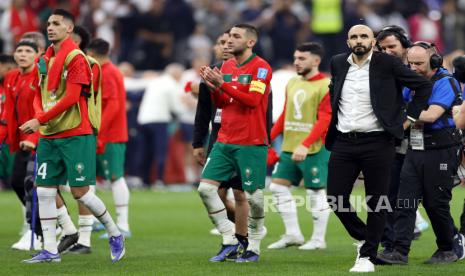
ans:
(71, 159)
(248, 161)
(314, 169)
(110, 164)
(6, 161)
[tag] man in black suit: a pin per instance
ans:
(367, 104)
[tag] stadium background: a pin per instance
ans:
(171, 229)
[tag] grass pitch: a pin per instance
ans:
(171, 237)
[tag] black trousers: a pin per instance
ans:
(373, 156)
(388, 238)
(19, 173)
(427, 177)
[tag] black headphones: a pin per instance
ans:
(396, 31)
(435, 61)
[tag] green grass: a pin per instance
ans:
(170, 236)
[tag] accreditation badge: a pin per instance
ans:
(217, 118)
(417, 138)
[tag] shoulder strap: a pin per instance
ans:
(458, 96)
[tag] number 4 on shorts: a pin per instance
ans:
(42, 170)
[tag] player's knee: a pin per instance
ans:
(278, 188)
(79, 192)
(255, 200)
(43, 192)
(207, 189)
(239, 196)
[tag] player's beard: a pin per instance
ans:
(304, 72)
(360, 50)
(239, 50)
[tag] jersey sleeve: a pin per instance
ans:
(78, 71)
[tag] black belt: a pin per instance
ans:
(361, 135)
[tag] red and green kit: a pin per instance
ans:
(243, 98)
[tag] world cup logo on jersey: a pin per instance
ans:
(299, 99)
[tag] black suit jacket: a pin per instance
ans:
(387, 76)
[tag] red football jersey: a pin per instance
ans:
(114, 127)
(244, 101)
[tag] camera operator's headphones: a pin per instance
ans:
(396, 31)
(436, 59)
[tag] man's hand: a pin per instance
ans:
(199, 155)
(212, 77)
(27, 145)
(300, 153)
(30, 126)
(406, 124)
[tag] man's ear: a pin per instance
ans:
(251, 43)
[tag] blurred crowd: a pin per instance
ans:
(160, 45)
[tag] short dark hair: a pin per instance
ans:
(397, 32)
(99, 46)
(29, 43)
(312, 47)
(4, 59)
(84, 34)
(66, 14)
(251, 30)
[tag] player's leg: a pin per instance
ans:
(111, 168)
(229, 204)
(241, 214)
(50, 173)
(79, 156)
(85, 222)
(251, 163)
(17, 183)
(284, 174)
(218, 168)
(119, 187)
(315, 170)
(70, 234)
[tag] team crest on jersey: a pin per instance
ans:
(314, 171)
(262, 73)
(79, 167)
(248, 172)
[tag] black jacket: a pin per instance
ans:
(387, 77)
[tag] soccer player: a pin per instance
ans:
(72, 241)
(241, 89)
(66, 149)
(304, 123)
(20, 92)
(113, 133)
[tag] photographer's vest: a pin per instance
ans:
(70, 118)
(303, 98)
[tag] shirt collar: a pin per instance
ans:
(351, 61)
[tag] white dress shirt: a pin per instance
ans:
(355, 110)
